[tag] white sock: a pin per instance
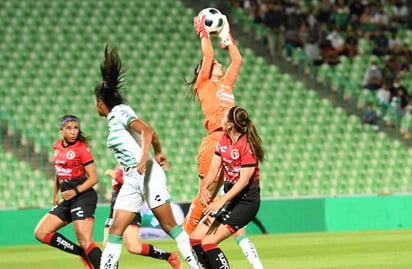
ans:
(111, 252)
(250, 252)
(183, 244)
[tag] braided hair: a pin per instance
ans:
(112, 79)
(244, 125)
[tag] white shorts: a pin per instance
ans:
(136, 189)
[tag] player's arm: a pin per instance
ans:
(226, 40)
(207, 48)
(92, 178)
(246, 174)
(146, 131)
(159, 156)
(56, 191)
(208, 185)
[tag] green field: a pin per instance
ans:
(343, 250)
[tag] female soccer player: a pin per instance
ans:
(75, 177)
(238, 154)
(214, 89)
(130, 139)
(131, 235)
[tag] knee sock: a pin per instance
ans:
(193, 216)
(57, 240)
(215, 257)
(111, 252)
(183, 244)
(94, 254)
(154, 252)
(197, 247)
(249, 251)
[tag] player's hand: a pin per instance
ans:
(199, 23)
(225, 35)
(141, 167)
(214, 207)
(161, 159)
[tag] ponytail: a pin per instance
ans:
(243, 124)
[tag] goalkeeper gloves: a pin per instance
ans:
(199, 23)
(225, 35)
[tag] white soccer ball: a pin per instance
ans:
(213, 21)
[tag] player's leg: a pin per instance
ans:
(248, 248)
(46, 232)
(129, 200)
(204, 158)
(196, 239)
(82, 214)
(158, 197)
(131, 238)
(168, 223)
(215, 257)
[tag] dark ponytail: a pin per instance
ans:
(112, 79)
(243, 124)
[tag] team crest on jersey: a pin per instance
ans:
(234, 154)
(70, 155)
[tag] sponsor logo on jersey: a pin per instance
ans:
(234, 154)
(70, 155)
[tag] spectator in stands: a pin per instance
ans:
(407, 53)
(356, 9)
(372, 79)
(391, 68)
(293, 34)
(132, 234)
(337, 40)
(340, 14)
(330, 55)
(394, 43)
(400, 93)
(370, 117)
(381, 19)
(275, 19)
(75, 177)
(312, 50)
(365, 20)
(383, 95)
(325, 11)
(399, 11)
(380, 43)
(406, 121)
(351, 48)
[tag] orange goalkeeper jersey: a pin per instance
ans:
(216, 97)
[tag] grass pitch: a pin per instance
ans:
(337, 250)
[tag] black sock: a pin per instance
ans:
(62, 243)
(215, 257)
(197, 248)
(94, 254)
(155, 252)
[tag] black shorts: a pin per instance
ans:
(239, 212)
(80, 207)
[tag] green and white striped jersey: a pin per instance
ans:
(123, 141)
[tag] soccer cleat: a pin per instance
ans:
(86, 263)
(174, 261)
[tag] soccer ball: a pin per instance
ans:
(213, 21)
